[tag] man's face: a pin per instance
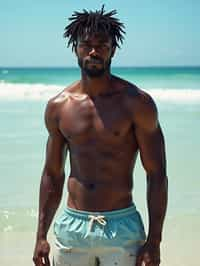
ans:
(94, 54)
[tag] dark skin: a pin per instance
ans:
(103, 122)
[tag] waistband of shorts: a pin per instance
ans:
(108, 214)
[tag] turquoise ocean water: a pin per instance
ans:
(23, 96)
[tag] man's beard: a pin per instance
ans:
(94, 72)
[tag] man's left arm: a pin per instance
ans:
(150, 140)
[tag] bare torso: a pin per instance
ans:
(102, 148)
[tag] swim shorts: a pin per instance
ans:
(108, 238)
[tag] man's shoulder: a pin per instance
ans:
(140, 104)
(61, 98)
(139, 97)
(133, 92)
(134, 95)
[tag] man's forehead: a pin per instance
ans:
(101, 37)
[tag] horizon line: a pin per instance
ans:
(123, 66)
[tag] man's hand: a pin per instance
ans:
(41, 253)
(148, 255)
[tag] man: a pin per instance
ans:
(103, 121)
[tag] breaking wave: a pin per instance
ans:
(13, 92)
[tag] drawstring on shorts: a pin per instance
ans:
(100, 219)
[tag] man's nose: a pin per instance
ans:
(93, 51)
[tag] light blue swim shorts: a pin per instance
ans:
(98, 238)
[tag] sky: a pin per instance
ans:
(158, 33)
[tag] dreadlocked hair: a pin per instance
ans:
(92, 22)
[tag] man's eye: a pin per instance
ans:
(83, 45)
(104, 46)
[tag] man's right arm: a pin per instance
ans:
(52, 181)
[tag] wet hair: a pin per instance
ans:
(91, 22)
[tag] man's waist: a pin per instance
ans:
(99, 203)
(114, 213)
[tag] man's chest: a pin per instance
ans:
(103, 121)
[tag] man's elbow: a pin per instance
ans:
(52, 185)
(159, 176)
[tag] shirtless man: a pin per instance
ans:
(103, 122)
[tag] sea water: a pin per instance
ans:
(24, 93)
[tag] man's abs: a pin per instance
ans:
(98, 196)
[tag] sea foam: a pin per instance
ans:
(12, 92)
(36, 92)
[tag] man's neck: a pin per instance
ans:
(96, 86)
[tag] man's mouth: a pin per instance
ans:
(94, 62)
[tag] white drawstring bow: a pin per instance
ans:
(100, 219)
